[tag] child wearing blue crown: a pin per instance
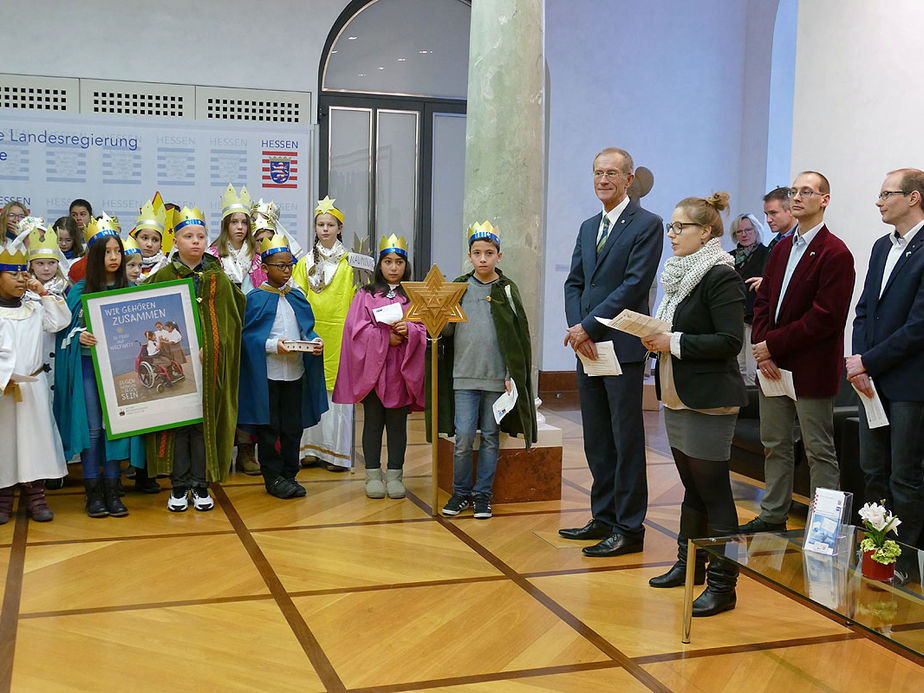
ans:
(282, 387)
(201, 453)
(31, 444)
(488, 354)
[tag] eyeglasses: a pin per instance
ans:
(886, 194)
(609, 175)
(15, 217)
(280, 265)
(805, 192)
(678, 226)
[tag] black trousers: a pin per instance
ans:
(189, 457)
(376, 418)
(285, 409)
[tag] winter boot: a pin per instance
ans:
(394, 483)
(96, 505)
(375, 487)
(692, 524)
(6, 504)
(721, 578)
(35, 501)
(114, 504)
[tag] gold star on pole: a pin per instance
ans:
(434, 301)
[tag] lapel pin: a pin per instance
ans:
(908, 254)
(812, 254)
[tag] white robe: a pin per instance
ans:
(31, 442)
(331, 439)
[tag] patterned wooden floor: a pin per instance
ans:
(337, 592)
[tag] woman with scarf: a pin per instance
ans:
(326, 278)
(697, 380)
(751, 257)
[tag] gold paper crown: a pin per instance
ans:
(264, 215)
(188, 217)
(232, 202)
(393, 244)
(14, 261)
(483, 231)
(150, 217)
(100, 228)
(43, 242)
(326, 206)
(277, 244)
(166, 241)
(130, 246)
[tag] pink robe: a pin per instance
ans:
(368, 361)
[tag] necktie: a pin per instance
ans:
(606, 232)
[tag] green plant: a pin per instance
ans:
(878, 522)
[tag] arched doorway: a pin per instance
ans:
(392, 85)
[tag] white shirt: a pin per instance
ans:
(613, 215)
(286, 367)
(800, 241)
(899, 243)
(152, 348)
(172, 336)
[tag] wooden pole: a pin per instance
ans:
(434, 426)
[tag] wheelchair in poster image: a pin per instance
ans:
(157, 371)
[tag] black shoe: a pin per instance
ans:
(711, 602)
(280, 487)
(614, 545)
(482, 506)
(114, 504)
(300, 491)
(455, 505)
(54, 484)
(759, 525)
(144, 483)
(592, 530)
(677, 575)
(96, 505)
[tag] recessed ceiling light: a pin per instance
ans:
(332, 52)
(352, 38)
(402, 60)
(362, 74)
(381, 67)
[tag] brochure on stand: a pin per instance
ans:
(828, 514)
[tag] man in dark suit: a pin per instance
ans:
(613, 266)
(888, 348)
(799, 318)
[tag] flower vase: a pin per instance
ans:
(875, 570)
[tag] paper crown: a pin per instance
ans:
(130, 246)
(188, 217)
(393, 244)
(43, 242)
(483, 231)
(151, 216)
(100, 228)
(326, 206)
(166, 241)
(232, 202)
(264, 215)
(13, 260)
(277, 244)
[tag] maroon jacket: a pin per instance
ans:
(808, 338)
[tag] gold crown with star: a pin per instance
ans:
(100, 228)
(393, 244)
(130, 246)
(187, 217)
(326, 206)
(151, 216)
(43, 242)
(277, 244)
(231, 202)
(264, 215)
(483, 231)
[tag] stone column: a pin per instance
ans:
(504, 136)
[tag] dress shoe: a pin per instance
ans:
(614, 545)
(759, 525)
(592, 530)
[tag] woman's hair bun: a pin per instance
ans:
(718, 201)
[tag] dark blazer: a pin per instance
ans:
(752, 267)
(711, 319)
(620, 277)
(889, 331)
(808, 338)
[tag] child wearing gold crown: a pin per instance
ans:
(201, 453)
(382, 366)
(153, 235)
(235, 246)
(282, 390)
(326, 278)
(32, 445)
(488, 354)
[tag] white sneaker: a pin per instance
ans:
(202, 501)
(178, 501)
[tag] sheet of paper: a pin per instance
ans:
(363, 262)
(875, 413)
(606, 363)
(777, 388)
(636, 323)
(504, 403)
(388, 314)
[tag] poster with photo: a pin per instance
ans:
(147, 357)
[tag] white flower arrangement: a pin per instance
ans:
(879, 522)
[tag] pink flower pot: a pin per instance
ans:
(875, 570)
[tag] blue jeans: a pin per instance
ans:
(95, 456)
(473, 411)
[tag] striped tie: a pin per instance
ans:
(604, 234)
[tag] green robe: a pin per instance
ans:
(513, 337)
(221, 315)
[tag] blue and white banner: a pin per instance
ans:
(118, 162)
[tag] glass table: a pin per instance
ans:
(834, 585)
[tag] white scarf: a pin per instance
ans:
(681, 275)
(152, 263)
(237, 263)
(321, 265)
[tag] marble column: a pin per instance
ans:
(504, 137)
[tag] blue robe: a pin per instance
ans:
(253, 392)
(71, 418)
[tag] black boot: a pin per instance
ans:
(96, 506)
(144, 483)
(692, 524)
(721, 578)
(114, 504)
